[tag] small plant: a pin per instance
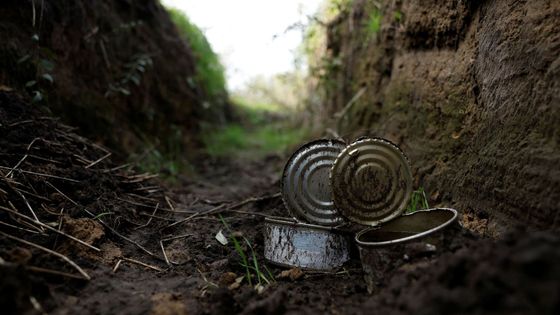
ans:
(132, 74)
(250, 266)
(418, 201)
(374, 22)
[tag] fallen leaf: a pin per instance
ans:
(292, 274)
(221, 238)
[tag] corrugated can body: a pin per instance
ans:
(385, 248)
(304, 245)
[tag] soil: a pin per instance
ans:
(87, 47)
(470, 90)
(469, 275)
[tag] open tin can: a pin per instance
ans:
(386, 247)
(307, 246)
(372, 185)
(306, 193)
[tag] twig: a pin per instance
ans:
(18, 228)
(29, 207)
(169, 203)
(116, 168)
(134, 261)
(139, 204)
(52, 272)
(196, 214)
(44, 175)
(119, 234)
(117, 265)
(99, 160)
(48, 227)
(149, 220)
(164, 254)
(63, 195)
(68, 260)
(23, 158)
(156, 217)
(176, 237)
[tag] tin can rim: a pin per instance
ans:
(408, 238)
(295, 223)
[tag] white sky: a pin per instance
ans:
(242, 33)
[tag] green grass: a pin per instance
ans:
(209, 70)
(418, 201)
(249, 267)
(260, 132)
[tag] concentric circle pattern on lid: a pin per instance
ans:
(371, 181)
(306, 187)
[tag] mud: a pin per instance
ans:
(518, 274)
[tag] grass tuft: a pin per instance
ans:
(418, 201)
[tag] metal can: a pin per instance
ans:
(307, 246)
(306, 190)
(386, 247)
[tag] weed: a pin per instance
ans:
(374, 22)
(132, 74)
(397, 16)
(418, 201)
(249, 268)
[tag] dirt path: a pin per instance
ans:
(125, 218)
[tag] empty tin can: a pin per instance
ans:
(306, 189)
(386, 247)
(307, 246)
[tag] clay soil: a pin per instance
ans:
(72, 187)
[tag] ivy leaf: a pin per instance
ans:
(46, 65)
(37, 97)
(48, 77)
(24, 59)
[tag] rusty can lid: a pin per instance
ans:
(371, 181)
(306, 187)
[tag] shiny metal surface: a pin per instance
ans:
(419, 234)
(306, 246)
(371, 181)
(306, 188)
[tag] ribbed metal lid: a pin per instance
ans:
(306, 188)
(371, 181)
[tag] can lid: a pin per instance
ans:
(306, 190)
(371, 181)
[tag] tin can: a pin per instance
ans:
(386, 247)
(307, 246)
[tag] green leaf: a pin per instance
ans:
(46, 65)
(30, 83)
(37, 97)
(124, 91)
(135, 79)
(35, 38)
(48, 77)
(24, 59)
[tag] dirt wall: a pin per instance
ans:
(116, 69)
(471, 90)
